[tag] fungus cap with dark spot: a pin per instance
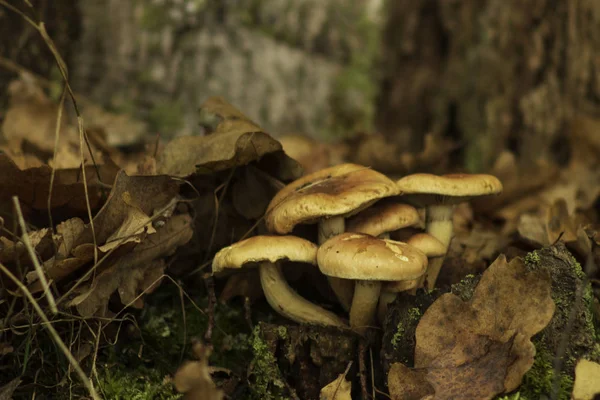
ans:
(342, 190)
(365, 257)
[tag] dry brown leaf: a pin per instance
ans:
(134, 228)
(193, 377)
(6, 391)
(236, 141)
(587, 384)
(338, 389)
(479, 379)
(551, 223)
(408, 383)
(519, 185)
(32, 186)
(509, 303)
(148, 194)
(134, 272)
(32, 117)
(311, 154)
(15, 252)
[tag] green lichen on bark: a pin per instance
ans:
(571, 332)
(266, 377)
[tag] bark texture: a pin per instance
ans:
(491, 73)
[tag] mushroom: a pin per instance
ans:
(432, 248)
(267, 252)
(381, 219)
(439, 194)
(368, 260)
(327, 197)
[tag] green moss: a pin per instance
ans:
(539, 380)
(282, 332)
(413, 315)
(398, 335)
(532, 259)
(137, 367)
(268, 383)
(139, 384)
(466, 287)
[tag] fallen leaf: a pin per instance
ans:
(129, 194)
(7, 390)
(408, 383)
(339, 389)
(134, 272)
(311, 154)
(551, 223)
(32, 185)
(32, 117)
(509, 303)
(236, 141)
(587, 384)
(193, 377)
(479, 379)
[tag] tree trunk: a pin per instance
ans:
(492, 73)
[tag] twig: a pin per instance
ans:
(248, 313)
(33, 256)
(362, 368)
(212, 301)
(84, 379)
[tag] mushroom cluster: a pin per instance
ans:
(355, 209)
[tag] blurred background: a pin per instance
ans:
(455, 81)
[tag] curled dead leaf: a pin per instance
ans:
(135, 272)
(236, 141)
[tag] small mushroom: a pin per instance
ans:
(440, 194)
(381, 219)
(268, 252)
(432, 248)
(369, 261)
(327, 197)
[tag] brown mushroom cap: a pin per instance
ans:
(265, 248)
(448, 189)
(364, 257)
(383, 218)
(342, 190)
(428, 244)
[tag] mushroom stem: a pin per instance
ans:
(290, 304)
(439, 225)
(343, 288)
(386, 298)
(364, 304)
